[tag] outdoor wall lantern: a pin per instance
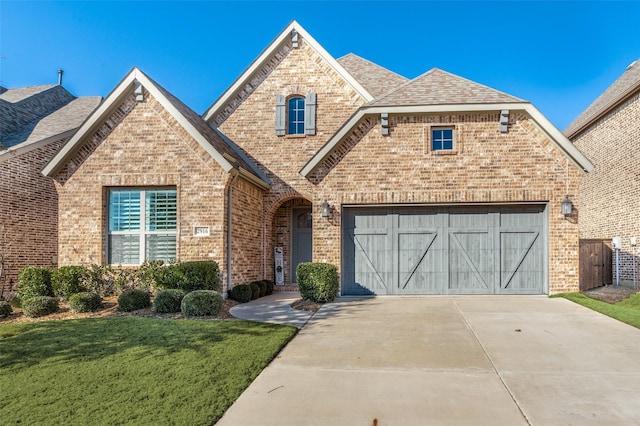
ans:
(326, 209)
(567, 206)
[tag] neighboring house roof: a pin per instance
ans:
(225, 154)
(36, 115)
(377, 80)
(438, 87)
(250, 78)
(621, 89)
(438, 91)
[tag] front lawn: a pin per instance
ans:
(127, 370)
(627, 310)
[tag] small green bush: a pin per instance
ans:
(168, 301)
(134, 299)
(86, 301)
(38, 306)
(201, 302)
(269, 285)
(262, 286)
(317, 281)
(255, 291)
(241, 293)
(68, 280)
(34, 281)
(199, 275)
(5, 309)
(100, 279)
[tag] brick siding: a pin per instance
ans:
(610, 195)
(28, 214)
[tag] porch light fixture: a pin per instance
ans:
(326, 209)
(567, 206)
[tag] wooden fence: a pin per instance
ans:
(595, 263)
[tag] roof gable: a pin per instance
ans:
(436, 92)
(250, 78)
(376, 79)
(224, 154)
(625, 86)
(438, 87)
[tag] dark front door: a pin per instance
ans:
(302, 238)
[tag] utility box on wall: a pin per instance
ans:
(279, 265)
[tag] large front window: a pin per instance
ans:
(142, 225)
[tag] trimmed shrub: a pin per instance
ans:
(5, 309)
(255, 291)
(262, 286)
(241, 293)
(134, 299)
(34, 281)
(86, 301)
(199, 275)
(201, 302)
(317, 281)
(168, 301)
(100, 279)
(269, 285)
(39, 306)
(68, 280)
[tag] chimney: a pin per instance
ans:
(60, 72)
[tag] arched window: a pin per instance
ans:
(295, 116)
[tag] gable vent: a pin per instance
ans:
(294, 38)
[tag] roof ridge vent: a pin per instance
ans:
(631, 65)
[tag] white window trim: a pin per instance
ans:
(142, 232)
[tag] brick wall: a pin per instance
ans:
(28, 213)
(141, 145)
(610, 195)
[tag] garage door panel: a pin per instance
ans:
(521, 262)
(419, 263)
(470, 262)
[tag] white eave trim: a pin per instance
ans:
(266, 55)
(561, 141)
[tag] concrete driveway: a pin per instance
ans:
(476, 360)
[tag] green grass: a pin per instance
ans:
(627, 310)
(142, 371)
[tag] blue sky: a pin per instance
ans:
(558, 55)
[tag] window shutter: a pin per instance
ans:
(280, 115)
(310, 114)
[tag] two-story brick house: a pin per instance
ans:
(34, 123)
(436, 185)
(608, 132)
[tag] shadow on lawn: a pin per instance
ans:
(29, 344)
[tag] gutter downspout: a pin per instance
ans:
(234, 174)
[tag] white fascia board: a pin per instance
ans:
(266, 54)
(253, 179)
(544, 124)
(23, 148)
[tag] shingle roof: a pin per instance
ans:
(627, 84)
(68, 117)
(35, 113)
(438, 87)
(375, 79)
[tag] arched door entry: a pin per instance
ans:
(302, 238)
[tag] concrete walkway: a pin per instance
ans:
(275, 308)
(481, 360)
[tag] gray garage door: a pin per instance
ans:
(454, 250)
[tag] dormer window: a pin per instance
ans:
(296, 115)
